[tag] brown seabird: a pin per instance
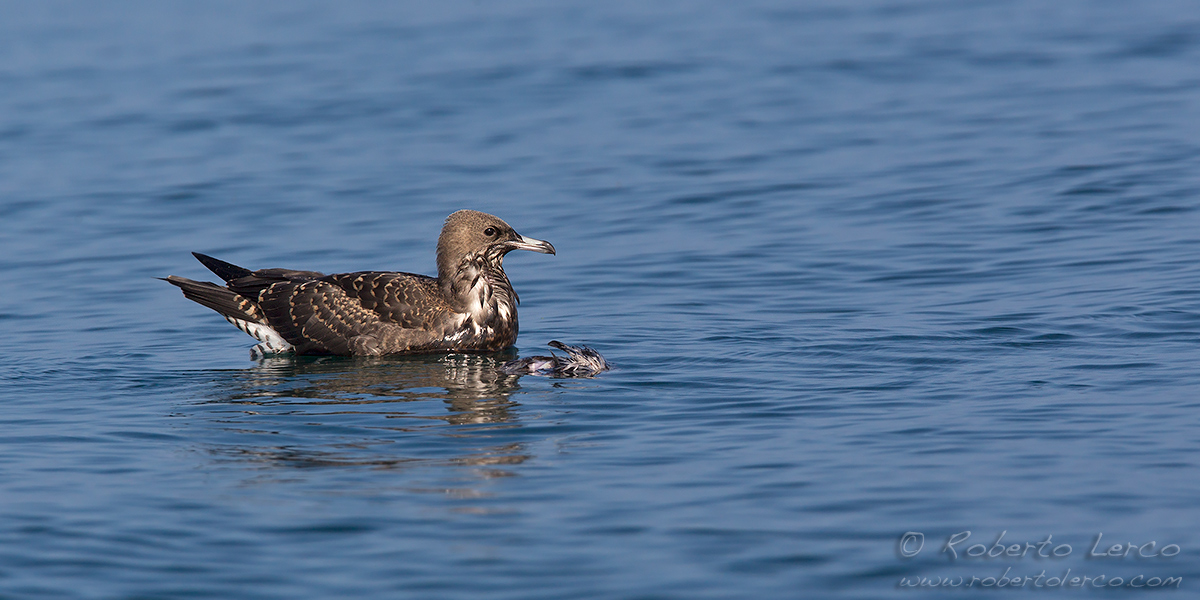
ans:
(469, 307)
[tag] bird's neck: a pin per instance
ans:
(479, 288)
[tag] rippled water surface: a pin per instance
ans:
(864, 268)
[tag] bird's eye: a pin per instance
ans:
(490, 231)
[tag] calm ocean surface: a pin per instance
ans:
(864, 268)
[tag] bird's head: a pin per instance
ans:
(470, 233)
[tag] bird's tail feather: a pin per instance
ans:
(220, 299)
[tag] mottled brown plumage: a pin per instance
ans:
(469, 307)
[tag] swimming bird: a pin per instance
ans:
(469, 307)
(580, 361)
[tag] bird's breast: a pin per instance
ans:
(488, 320)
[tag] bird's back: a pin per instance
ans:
(368, 312)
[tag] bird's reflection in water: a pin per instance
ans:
(306, 412)
(473, 388)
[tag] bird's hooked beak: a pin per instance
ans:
(526, 243)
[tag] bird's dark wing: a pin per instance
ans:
(317, 316)
(252, 284)
(408, 300)
(226, 271)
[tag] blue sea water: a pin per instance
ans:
(864, 269)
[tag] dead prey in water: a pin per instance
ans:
(580, 361)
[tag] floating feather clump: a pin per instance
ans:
(580, 361)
